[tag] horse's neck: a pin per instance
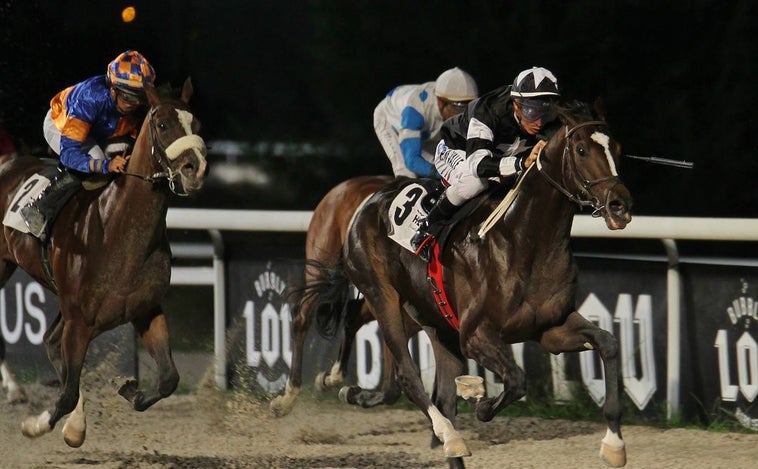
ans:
(135, 205)
(540, 214)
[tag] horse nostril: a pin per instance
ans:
(188, 169)
(616, 206)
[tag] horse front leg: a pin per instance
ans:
(154, 333)
(74, 339)
(578, 334)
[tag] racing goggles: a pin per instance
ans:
(129, 97)
(456, 104)
(533, 110)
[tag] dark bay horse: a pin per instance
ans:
(324, 241)
(512, 284)
(109, 257)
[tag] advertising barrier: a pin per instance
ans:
(626, 297)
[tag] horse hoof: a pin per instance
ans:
(33, 427)
(613, 456)
(347, 394)
(279, 407)
(456, 448)
(74, 435)
(126, 387)
(320, 382)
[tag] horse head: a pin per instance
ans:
(177, 150)
(589, 158)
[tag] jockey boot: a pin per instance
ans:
(40, 214)
(431, 226)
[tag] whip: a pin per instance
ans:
(663, 161)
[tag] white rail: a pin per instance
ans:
(667, 229)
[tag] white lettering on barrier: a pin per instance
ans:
(33, 329)
(640, 385)
(368, 356)
(746, 351)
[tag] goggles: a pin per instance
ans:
(456, 104)
(533, 110)
(128, 97)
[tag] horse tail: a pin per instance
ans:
(328, 295)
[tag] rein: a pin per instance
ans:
(585, 184)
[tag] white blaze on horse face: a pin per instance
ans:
(189, 141)
(604, 141)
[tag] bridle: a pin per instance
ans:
(162, 154)
(585, 198)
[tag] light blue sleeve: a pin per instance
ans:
(411, 126)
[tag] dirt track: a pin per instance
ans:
(208, 429)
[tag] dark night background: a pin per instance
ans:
(678, 80)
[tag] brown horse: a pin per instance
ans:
(324, 241)
(109, 258)
(515, 283)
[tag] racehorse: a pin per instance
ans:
(108, 258)
(324, 240)
(8, 382)
(513, 283)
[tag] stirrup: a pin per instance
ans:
(35, 221)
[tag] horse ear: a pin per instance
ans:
(187, 90)
(152, 95)
(599, 107)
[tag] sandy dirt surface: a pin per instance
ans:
(208, 429)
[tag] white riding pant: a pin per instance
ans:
(460, 173)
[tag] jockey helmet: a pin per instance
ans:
(456, 86)
(130, 72)
(535, 82)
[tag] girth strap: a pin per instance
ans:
(434, 277)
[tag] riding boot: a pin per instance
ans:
(431, 226)
(39, 215)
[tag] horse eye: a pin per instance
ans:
(582, 152)
(162, 126)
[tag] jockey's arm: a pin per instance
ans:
(409, 137)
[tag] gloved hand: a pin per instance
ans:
(118, 164)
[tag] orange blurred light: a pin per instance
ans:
(128, 14)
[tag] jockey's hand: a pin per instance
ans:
(118, 164)
(536, 149)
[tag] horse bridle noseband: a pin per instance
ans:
(589, 200)
(160, 157)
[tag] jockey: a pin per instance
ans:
(495, 137)
(91, 125)
(407, 121)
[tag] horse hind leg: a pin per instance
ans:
(498, 359)
(16, 394)
(73, 339)
(355, 318)
(283, 404)
(154, 333)
(578, 334)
